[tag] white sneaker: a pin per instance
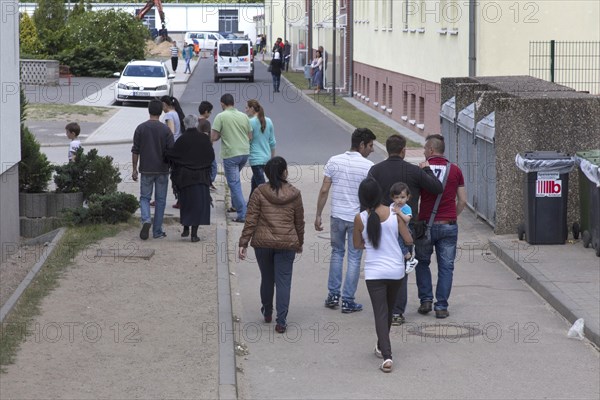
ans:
(411, 264)
(387, 366)
(377, 352)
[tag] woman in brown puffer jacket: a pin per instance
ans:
(275, 228)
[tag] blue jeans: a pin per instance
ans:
(341, 232)
(232, 167)
(258, 177)
(444, 239)
(276, 82)
(213, 171)
(276, 267)
(159, 182)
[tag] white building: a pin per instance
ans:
(10, 147)
(180, 18)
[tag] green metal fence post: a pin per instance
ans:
(552, 61)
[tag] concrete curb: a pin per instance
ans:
(554, 296)
(14, 298)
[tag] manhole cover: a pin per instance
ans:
(448, 331)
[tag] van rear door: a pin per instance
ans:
(234, 58)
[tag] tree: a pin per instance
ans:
(99, 43)
(50, 17)
(28, 36)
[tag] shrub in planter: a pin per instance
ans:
(34, 171)
(88, 173)
(109, 208)
(34, 168)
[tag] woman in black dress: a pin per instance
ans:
(191, 157)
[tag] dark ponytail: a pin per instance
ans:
(369, 195)
(275, 170)
(173, 102)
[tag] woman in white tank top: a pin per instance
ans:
(376, 229)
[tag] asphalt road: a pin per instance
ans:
(305, 136)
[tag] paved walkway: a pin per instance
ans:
(521, 350)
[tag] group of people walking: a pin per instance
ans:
(371, 209)
(181, 148)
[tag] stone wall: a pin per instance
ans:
(530, 114)
(40, 72)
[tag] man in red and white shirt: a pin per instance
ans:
(444, 231)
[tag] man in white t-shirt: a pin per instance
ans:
(343, 174)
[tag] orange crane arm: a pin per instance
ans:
(148, 7)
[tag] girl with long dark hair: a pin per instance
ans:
(275, 228)
(376, 229)
(262, 144)
(173, 115)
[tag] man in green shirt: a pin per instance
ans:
(233, 127)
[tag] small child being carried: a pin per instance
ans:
(400, 194)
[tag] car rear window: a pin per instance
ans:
(233, 49)
(150, 71)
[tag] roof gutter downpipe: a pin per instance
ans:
(472, 37)
(350, 31)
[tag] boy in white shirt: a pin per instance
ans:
(72, 130)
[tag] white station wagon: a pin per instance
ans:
(142, 81)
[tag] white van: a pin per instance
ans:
(234, 59)
(205, 40)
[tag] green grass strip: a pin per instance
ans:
(347, 111)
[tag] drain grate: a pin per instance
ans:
(444, 331)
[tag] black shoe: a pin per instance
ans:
(268, 317)
(424, 308)
(186, 232)
(144, 233)
(332, 301)
(397, 319)
(442, 314)
(195, 239)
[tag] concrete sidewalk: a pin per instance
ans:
(501, 339)
(567, 276)
(518, 350)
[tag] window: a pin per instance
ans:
(233, 49)
(384, 95)
(405, 103)
(421, 110)
(228, 21)
(368, 87)
(389, 103)
(376, 91)
(413, 105)
(364, 85)
(387, 13)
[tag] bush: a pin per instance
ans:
(88, 173)
(109, 208)
(99, 43)
(34, 168)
